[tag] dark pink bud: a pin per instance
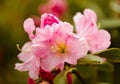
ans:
(48, 19)
(31, 81)
(69, 78)
(47, 76)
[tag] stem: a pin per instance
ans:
(79, 77)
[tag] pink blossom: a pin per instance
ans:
(31, 63)
(57, 45)
(86, 26)
(55, 7)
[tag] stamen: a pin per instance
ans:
(53, 49)
(60, 48)
(18, 47)
(25, 50)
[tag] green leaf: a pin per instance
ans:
(107, 67)
(61, 77)
(112, 54)
(85, 70)
(91, 59)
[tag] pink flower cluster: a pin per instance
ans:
(53, 43)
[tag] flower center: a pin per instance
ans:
(59, 48)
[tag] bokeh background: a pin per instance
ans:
(14, 12)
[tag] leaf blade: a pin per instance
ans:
(112, 54)
(61, 77)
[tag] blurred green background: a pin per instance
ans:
(14, 12)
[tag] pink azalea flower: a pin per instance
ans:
(86, 26)
(55, 7)
(31, 63)
(57, 44)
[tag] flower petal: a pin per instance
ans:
(50, 62)
(99, 41)
(48, 19)
(29, 27)
(32, 65)
(26, 52)
(85, 24)
(90, 15)
(78, 48)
